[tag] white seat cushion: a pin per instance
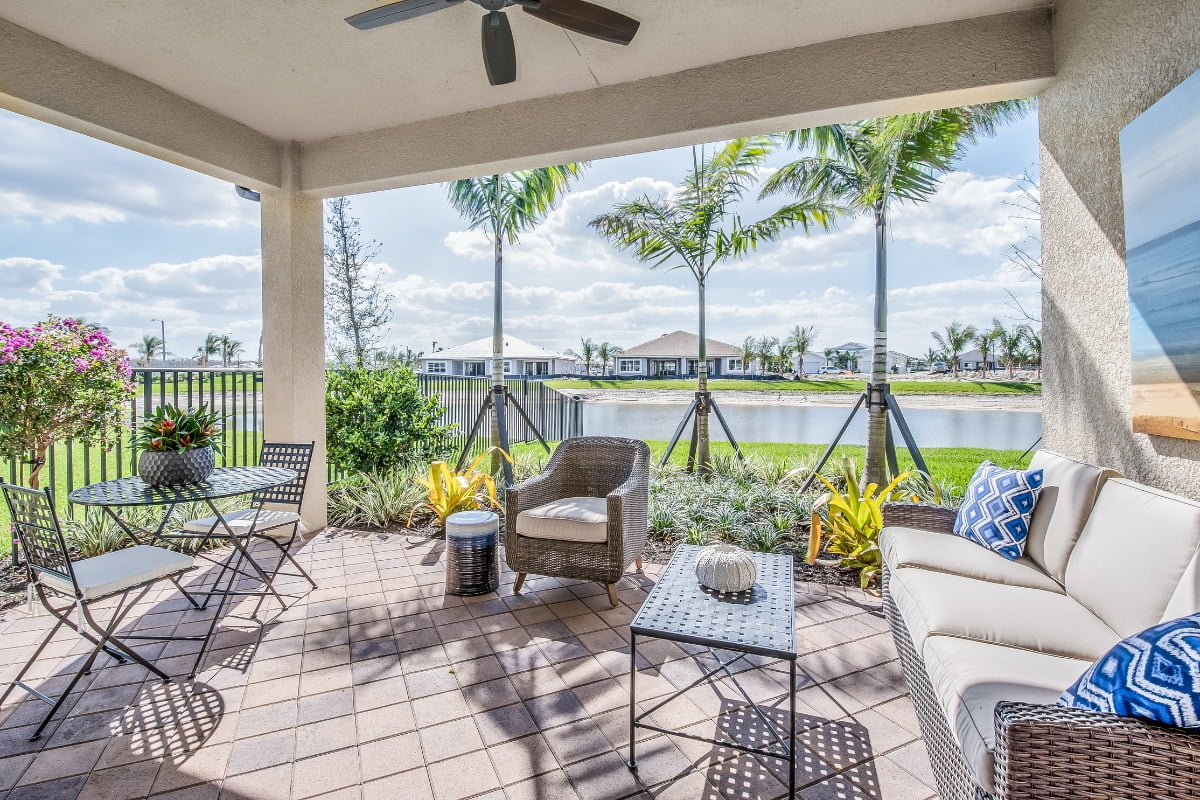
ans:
(572, 519)
(1133, 554)
(944, 552)
(240, 521)
(937, 603)
(970, 677)
(1069, 489)
(121, 569)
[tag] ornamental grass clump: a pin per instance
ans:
(60, 379)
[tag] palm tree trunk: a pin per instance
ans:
(497, 343)
(703, 456)
(875, 468)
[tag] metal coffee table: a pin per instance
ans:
(760, 621)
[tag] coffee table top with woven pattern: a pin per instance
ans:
(224, 482)
(761, 620)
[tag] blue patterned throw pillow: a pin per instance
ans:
(995, 513)
(1152, 675)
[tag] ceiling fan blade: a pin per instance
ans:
(587, 18)
(397, 12)
(499, 50)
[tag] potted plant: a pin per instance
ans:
(177, 446)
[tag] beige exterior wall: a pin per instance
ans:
(1114, 60)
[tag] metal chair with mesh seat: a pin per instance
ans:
(261, 523)
(125, 574)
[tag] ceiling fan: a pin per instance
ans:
(499, 51)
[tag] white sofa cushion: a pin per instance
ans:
(937, 603)
(572, 519)
(1133, 554)
(119, 570)
(1069, 490)
(970, 677)
(240, 521)
(944, 552)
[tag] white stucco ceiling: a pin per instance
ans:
(293, 70)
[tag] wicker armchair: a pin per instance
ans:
(1043, 752)
(615, 469)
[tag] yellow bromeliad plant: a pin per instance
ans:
(451, 491)
(850, 519)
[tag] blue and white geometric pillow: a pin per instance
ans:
(995, 513)
(1152, 675)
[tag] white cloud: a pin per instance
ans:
(52, 175)
(30, 274)
(969, 214)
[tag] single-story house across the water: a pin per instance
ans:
(860, 356)
(675, 355)
(474, 359)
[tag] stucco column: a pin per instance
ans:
(293, 297)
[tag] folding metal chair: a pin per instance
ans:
(82, 583)
(258, 522)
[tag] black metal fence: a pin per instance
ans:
(237, 395)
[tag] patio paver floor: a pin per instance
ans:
(377, 686)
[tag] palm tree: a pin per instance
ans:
(586, 354)
(210, 348)
(749, 349)
(504, 206)
(147, 348)
(986, 340)
(931, 356)
(801, 340)
(1009, 344)
(766, 353)
(829, 354)
(956, 339)
(863, 168)
(233, 348)
(607, 354)
(1033, 340)
(696, 228)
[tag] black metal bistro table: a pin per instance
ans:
(760, 621)
(224, 482)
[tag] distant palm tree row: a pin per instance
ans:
(223, 345)
(1012, 347)
(775, 354)
(603, 355)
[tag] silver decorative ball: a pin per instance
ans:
(725, 568)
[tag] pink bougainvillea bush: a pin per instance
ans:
(59, 379)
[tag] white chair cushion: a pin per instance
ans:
(936, 603)
(121, 569)
(944, 552)
(240, 521)
(1134, 554)
(970, 677)
(1069, 489)
(572, 519)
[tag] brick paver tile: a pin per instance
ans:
(440, 708)
(463, 776)
(411, 785)
(260, 752)
(268, 784)
(206, 765)
(379, 723)
(325, 736)
(554, 785)
(324, 773)
(450, 739)
(127, 782)
(504, 723)
(389, 756)
(577, 741)
(62, 762)
(523, 758)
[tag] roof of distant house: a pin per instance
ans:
(679, 344)
(852, 347)
(481, 349)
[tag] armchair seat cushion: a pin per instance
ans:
(571, 519)
(944, 552)
(119, 570)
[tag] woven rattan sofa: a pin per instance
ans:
(988, 645)
(584, 516)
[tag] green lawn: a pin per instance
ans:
(807, 385)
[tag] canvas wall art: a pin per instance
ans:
(1160, 170)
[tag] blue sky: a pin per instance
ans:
(88, 229)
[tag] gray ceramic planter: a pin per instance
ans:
(159, 468)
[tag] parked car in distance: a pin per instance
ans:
(831, 371)
(938, 368)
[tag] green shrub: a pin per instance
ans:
(374, 498)
(379, 420)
